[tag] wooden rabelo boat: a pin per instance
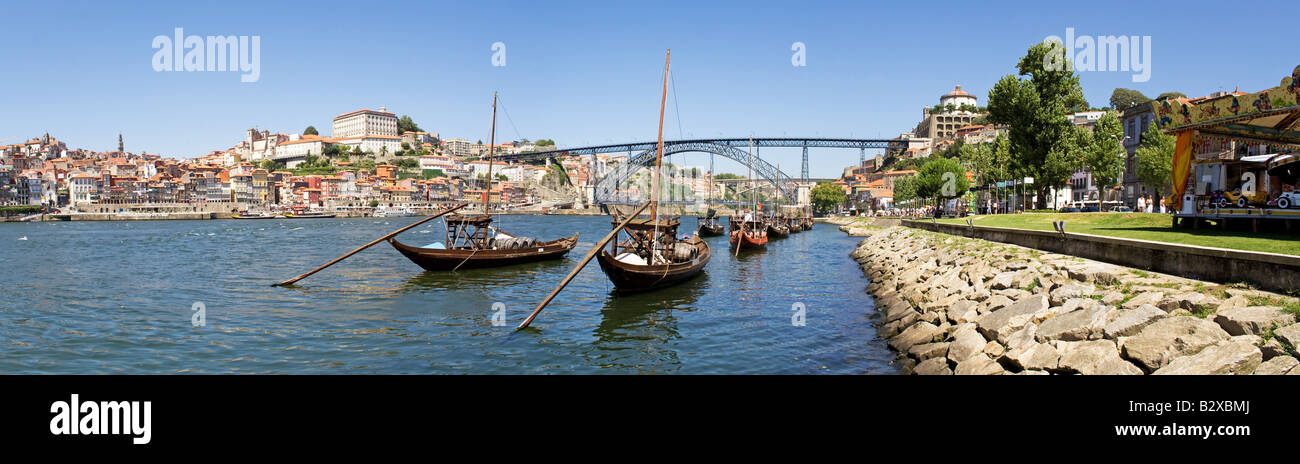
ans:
(709, 224)
(476, 244)
(778, 227)
(645, 253)
(473, 243)
(747, 234)
(648, 255)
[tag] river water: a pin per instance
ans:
(120, 297)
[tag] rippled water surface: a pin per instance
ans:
(116, 297)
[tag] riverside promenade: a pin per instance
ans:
(954, 305)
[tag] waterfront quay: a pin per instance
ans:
(955, 305)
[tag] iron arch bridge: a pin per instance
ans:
(607, 188)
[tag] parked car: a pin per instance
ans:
(1069, 209)
(1122, 209)
(1089, 209)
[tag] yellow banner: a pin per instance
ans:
(1182, 167)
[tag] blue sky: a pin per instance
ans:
(587, 72)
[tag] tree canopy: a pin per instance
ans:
(1122, 98)
(1171, 95)
(1103, 155)
(1034, 109)
(941, 179)
(827, 196)
(310, 130)
(1155, 158)
(406, 124)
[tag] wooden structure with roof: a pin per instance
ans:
(1208, 131)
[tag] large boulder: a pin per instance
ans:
(1252, 319)
(1071, 290)
(1078, 325)
(918, 333)
(926, 351)
(979, 364)
(1023, 337)
(898, 309)
(962, 311)
(1092, 271)
(1237, 356)
(996, 302)
(1126, 322)
(1148, 298)
(1036, 356)
(965, 344)
(1093, 357)
(933, 366)
(1289, 335)
(1003, 281)
(1191, 301)
(1157, 344)
(1280, 365)
(997, 325)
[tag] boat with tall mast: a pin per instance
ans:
(748, 231)
(472, 242)
(708, 224)
(646, 253)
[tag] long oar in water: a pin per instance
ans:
(368, 245)
(574, 272)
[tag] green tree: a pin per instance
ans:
(406, 124)
(827, 196)
(270, 165)
(544, 143)
(726, 176)
(1155, 159)
(904, 189)
(1122, 98)
(941, 179)
(1104, 154)
(374, 203)
(310, 130)
(1034, 109)
(1171, 95)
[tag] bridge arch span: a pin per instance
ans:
(608, 187)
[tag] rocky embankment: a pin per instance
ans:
(953, 305)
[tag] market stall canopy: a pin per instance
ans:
(1272, 115)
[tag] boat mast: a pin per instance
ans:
(659, 151)
(751, 178)
(487, 195)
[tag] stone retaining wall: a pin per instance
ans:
(954, 305)
(1270, 271)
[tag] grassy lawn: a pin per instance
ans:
(1142, 226)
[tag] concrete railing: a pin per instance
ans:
(1270, 271)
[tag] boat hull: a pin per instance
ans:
(748, 241)
(631, 278)
(778, 231)
(714, 230)
(457, 259)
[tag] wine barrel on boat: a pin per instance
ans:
(648, 255)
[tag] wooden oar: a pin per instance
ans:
(368, 245)
(740, 236)
(574, 272)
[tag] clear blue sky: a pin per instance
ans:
(586, 72)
